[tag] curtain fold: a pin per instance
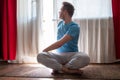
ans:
(9, 29)
(97, 39)
(1, 22)
(28, 22)
(116, 19)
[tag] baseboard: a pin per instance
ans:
(3, 62)
(117, 62)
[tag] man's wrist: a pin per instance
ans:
(45, 50)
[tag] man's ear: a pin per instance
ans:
(64, 12)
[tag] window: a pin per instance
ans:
(88, 8)
(47, 26)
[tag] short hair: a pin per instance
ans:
(69, 7)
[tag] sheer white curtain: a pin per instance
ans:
(28, 30)
(93, 16)
(34, 28)
(96, 28)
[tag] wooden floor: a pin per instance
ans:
(13, 78)
(32, 71)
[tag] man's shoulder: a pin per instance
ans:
(75, 25)
(60, 22)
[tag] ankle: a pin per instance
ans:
(64, 69)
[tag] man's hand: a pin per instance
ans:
(45, 50)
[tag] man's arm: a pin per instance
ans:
(59, 43)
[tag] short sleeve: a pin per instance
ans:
(73, 31)
(61, 22)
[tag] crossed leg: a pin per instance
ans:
(72, 65)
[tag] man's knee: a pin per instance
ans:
(41, 57)
(83, 59)
(79, 61)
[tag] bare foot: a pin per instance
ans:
(72, 71)
(55, 72)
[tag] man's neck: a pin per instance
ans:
(67, 20)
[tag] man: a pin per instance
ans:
(67, 59)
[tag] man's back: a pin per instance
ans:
(72, 29)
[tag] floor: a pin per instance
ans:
(15, 72)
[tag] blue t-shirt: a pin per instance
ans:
(71, 29)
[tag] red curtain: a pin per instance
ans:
(8, 29)
(116, 19)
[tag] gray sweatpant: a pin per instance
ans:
(71, 60)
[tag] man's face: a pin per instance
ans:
(62, 13)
